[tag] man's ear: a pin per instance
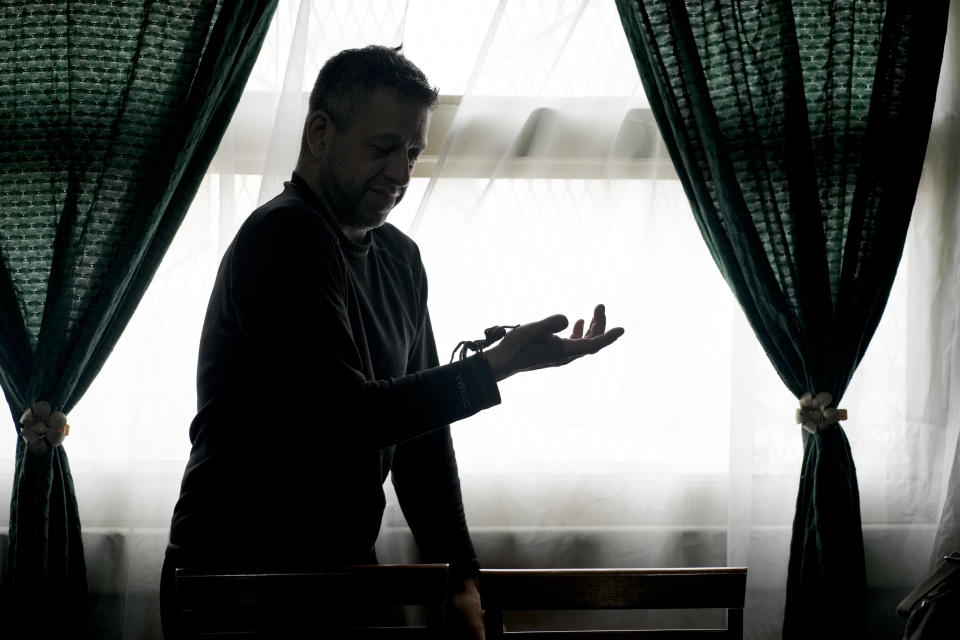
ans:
(316, 132)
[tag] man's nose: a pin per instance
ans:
(399, 168)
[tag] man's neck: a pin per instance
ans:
(353, 234)
(357, 235)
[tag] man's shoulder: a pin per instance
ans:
(287, 219)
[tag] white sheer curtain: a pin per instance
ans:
(549, 193)
(937, 240)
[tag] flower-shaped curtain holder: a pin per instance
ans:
(42, 428)
(816, 414)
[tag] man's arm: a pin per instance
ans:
(289, 286)
(425, 477)
(427, 483)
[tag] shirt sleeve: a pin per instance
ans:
(288, 286)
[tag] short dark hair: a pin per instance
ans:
(347, 79)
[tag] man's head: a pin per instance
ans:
(369, 113)
(348, 79)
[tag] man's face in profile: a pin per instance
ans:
(368, 164)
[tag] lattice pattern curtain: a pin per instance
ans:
(798, 130)
(109, 115)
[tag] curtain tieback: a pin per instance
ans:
(816, 414)
(42, 428)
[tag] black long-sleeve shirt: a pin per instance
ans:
(317, 375)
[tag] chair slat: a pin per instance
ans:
(585, 589)
(617, 634)
(236, 604)
(529, 589)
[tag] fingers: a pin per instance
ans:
(576, 348)
(558, 322)
(577, 330)
(599, 322)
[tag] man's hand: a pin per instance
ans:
(466, 614)
(534, 346)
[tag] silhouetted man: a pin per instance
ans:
(318, 374)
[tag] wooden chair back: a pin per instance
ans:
(580, 589)
(350, 603)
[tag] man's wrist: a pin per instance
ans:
(498, 366)
(467, 583)
(463, 571)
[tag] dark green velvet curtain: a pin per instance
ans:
(798, 130)
(110, 113)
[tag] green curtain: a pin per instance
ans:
(798, 130)
(110, 113)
